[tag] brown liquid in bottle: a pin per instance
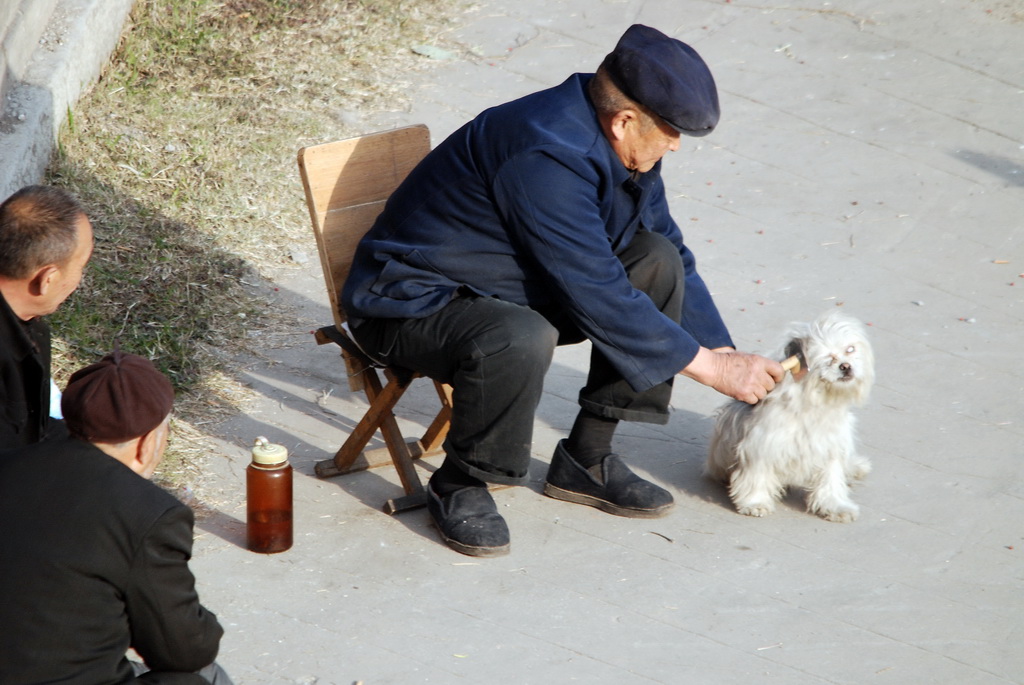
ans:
(268, 484)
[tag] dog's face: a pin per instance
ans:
(836, 353)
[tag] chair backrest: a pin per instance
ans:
(347, 183)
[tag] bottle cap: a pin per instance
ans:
(265, 452)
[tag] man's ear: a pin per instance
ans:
(40, 283)
(145, 451)
(620, 121)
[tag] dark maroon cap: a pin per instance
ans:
(668, 77)
(119, 398)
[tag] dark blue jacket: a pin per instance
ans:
(528, 203)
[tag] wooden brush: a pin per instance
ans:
(792, 364)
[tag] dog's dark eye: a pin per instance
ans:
(851, 349)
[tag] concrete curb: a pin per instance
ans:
(48, 59)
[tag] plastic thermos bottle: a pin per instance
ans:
(268, 487)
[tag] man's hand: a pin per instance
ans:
(742, 376)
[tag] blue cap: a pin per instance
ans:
(667, 76)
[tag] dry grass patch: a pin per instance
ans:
(184, 156)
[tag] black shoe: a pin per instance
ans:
(469, 521)
(620, 491)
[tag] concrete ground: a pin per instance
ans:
(870, 157)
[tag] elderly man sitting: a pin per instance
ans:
(95, 557)
(544, 221)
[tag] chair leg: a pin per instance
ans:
(401, 455)
(402, 452)
(382, 400)
(437, 431)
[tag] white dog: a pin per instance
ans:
(802, 433)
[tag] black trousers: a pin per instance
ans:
(495, 355)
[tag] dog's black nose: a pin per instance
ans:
(846, 368)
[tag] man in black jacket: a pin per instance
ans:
(45, 242)
(94, 557)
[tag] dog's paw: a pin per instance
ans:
(841, 514)
(755, 509)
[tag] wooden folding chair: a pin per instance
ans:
(347, 183)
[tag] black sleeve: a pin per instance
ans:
(171, 630)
